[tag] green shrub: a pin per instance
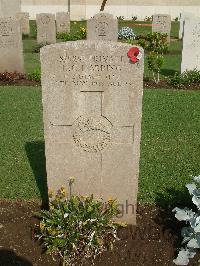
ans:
(186, 80)
(154, 42)
(134, 18)
(148, 18)
(77, 228)
(155, 62)
(35, 75)
(79, 35)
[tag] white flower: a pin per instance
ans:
(66, 215)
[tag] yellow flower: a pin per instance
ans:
(51, 193)
(111, 199)
(83, 29)
(62, 192)
(42, 226)
(122, 224)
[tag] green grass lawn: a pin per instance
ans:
(170, 147)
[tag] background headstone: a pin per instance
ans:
(46, 28)
(102, 27)
(191, 45)
(24, 21)
(11, 49)
(92, 107)
(63, 22)
(9, 8)
(162, 23)
(183, 17)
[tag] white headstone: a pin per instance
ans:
(162, 23)
(11, 49)
(92, 104)
(102, 27)
(191, 45)
(183, 17)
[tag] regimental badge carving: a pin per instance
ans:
(102, 28)
(45, 19)
(92, 134)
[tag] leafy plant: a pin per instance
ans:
(120, 18)
(77, 228)
(154, 42)
(186, 80)
(11, 76)
(134, 18)
(190, 233)
(35, 75)
(176, 19)
(148, 18)
(126, 33)
(78, 35)
(155, 62)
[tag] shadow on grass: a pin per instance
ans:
(167, 72)
(166, 218)
(36, 154)
(9, 258)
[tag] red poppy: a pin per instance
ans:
(133, 53)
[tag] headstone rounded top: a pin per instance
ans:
(89, 44)
(103, 14)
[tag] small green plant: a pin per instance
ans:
(134, 18)
(188, 79)
(190, 233)
(77, 228)
(154, 42)
(35, 75)
(176, 19)
(155, 62)
(148, 18)
(120, 18)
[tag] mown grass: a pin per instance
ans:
(170, 146)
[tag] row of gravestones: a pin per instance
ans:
(101, 27)
(62, 24)
(48, 25)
